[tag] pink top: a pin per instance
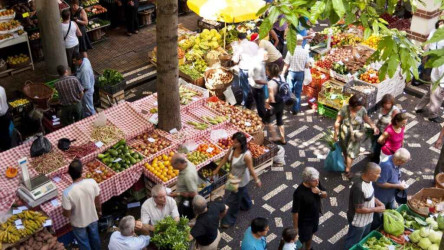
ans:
(394, 140)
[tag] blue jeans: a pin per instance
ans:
(88, 237)
(355, 234)
(236, 201)
(88, 104)
(295, 80)
(245, 86)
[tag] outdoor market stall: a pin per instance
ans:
(119, 144)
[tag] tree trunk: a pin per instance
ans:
(167, 66)
(51, 32)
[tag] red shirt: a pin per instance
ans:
(394, 140)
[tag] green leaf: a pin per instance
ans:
(291, 40)
(375, 27)
(437, 36)
(339, 8)
(265, 28)
(293, 19)
(334, 18)
(367, 33)
(284, 9)
(392, 64)
(404, 56)
(262, 10)
(364, 20)
(274, 13)
(316, 10)
(328, 9)
(383, 72)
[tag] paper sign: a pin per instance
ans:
(20, 227)
(323, 76)
(151, 140)
(247, 124)
(333, 96)
(117, 160)
(25, 15)
(429, 202)
(16, 211)
(23, 208)
(47, 223)
(349, 75)
(55, 123)
(391, 247)
(56, 179)
(134, 204)
(154, 119)
(155, 103)
(54, 117)
(168, 190)
(55, 203)
(194, 98)
(99, 144)
(312, 99)
(18, 222)
(173, 131)
(98, 171)
(340, 63)
(372, 75)
(209, 150)
(266, 150)
(406, 238)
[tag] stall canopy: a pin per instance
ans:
(228, 11)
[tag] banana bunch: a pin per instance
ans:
(198, 125)
(215, 120)
(31, 220)
(18, 102)
(8, 237)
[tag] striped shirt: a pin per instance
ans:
(69, 89)
(298, 60)
(361, 195)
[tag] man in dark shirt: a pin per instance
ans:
(205, 231)
(307, 206)
(70, 95)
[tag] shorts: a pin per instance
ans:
(306, 231)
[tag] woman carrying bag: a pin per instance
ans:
(241, 167)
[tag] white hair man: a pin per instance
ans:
(205, 230)
(307, 206)
(158, 207)
(125, 239)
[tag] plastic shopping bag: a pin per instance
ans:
(40, 146)
(307, 76)
(335, 160)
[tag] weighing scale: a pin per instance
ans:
(37, 190)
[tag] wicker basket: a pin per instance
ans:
(439, 180)
(220, 86)
(424, 194)
(369, 94)
(259, 136)
(38, 93)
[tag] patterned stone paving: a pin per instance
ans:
(274, 199)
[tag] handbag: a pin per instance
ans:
(233, 181)
(401, 196)
(335, 160)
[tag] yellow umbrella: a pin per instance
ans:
(228, 11)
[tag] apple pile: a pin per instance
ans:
(225, 143)
(223, 108)
(247, 121)
(97, 171)
(256, 150)
(151, 143)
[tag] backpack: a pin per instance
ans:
(284, 93)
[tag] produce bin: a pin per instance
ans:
(424, 193)
(339, 77)
(327, 111)
(223, 175)
(373, 233)
(114, 88)
(404, 207)
(369, 92)
(272, 151)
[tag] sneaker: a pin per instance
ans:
(436, 119)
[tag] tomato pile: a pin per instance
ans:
(97, 171)
(370, 76)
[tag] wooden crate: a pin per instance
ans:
(107, 100)
(261, 168)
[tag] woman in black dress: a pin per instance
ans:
(78, 15)
(132, 21)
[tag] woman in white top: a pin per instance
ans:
(5, 122)
(70, 32)
(288, 241)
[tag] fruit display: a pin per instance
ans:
(19, 102)
(34, 36)
(225, 143)
(256, 150)
(30, 222)
(17, 60)
(63, 5)
(222, 107)
(226, 166)
(48, 162)
(97, 23)
(5, 37)
(95, 10)
(339, 55)
(89, 2)
(194, 70)
(212, 57)
(24, 7)
(162, 168)
(120, 157)
(95, 170)
(426, 202)
(324, 64)
(246, 120)
(318, 77)
(7, 14)
(375, 243)
(372, 41)
(106, 134)
(197, 157)
(370, 76)
(214, 120)
(209, 149)
(150, 143)
(41, 240)
(331, 30)
(198, 125)
(344, 39)
(30, 23)
(11, 172)
(217, 77)
(340, 68)
(9, 26)
(187, 95)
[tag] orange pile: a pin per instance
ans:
(370, 76)
(208, 149)
(162, 168)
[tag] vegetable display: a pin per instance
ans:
(198, 125)
(370, 76)
(378, 244)
(120, 157)
(169, 234)
(197, 157)
(187, 95)
(256, 150)
(97, 171)
(41, 240)
(106, 134)
(80, 151)
(19, 102)
(393, 222)
(218, 77)
(340, 68)
(151, 143)
(48, 162)
(110, 77)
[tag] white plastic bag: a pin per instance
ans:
(229, 96)
(307, 76)
(280, 156)
(100, 120)
(218, 134)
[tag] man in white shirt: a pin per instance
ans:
(257, 78)
(243, 54)
(296, 64)
(5, 122)
(125, 239)
(158, 207)
(273, 54)
(81, 203)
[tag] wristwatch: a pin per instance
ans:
(320, 193)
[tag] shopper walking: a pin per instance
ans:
(186, 187)
(70, 95)
(390, 182)
(132, 20)
(5, 122)
(257, 79)
(296, 63)
(386, 113)
(273, 54)
(70, 34)
(349, 126)
(307, 206)
(362, 205)
(85, 74)
(241, 168)
(243, 53)
(254, 236)
(288, 241)
(78, 15)
(438, 145)
(81, 204)
(275, 103)
(431, 102)
(205, 230)
(393, 137)
(125, 238)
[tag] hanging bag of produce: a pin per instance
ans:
(393, 222)
(307, 76)
(233, 181)
(335, 160)
(40, 146)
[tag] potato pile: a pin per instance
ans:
(40, 241)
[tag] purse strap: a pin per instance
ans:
(69, 29)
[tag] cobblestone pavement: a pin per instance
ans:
(274, 199)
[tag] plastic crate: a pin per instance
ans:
(223, 175)
(356, 247)
(327, 111)
(369, 93)
(114, 88)
(406, 208)
(373, 233)
(272, 151)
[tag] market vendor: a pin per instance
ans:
(132, 19)
(124, 239)
(187, 182)
(81, 204)
(273, 54)
(158, 207)
(70, 94)
(5, 122)
(85, 75)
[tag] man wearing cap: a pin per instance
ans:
(296, 63)
(273, 54)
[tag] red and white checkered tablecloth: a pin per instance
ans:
(152, 176)
(55, 212)
(149, 157)
(124, 180)
(145, 104)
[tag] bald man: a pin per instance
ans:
(187, 182)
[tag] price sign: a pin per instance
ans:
(209, 150)
(155, 103)
(18, 222)
(117, 160)
(151, 139)
(99, 144)
(98, 171)
(173, 131)
(247, 124)
(25, 15)
(333, 96)
(340, 63)
(56, 179)
(323, 76)
(372, 75)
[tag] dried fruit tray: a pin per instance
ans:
(127, 119)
